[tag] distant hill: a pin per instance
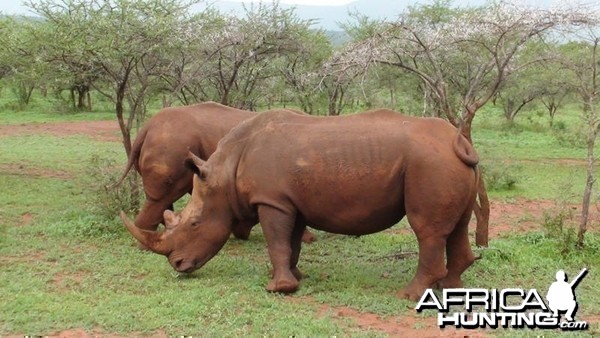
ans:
(337, 38)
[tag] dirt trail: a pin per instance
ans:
(98, 130)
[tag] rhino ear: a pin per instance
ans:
(197, 165)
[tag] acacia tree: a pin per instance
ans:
(554, 97)
(544, 81)
(23, 56)
(301, 70)
(124, 42)
(6, 26)
(235, 58)
(463, 56)
(190, 68)
(582, 59)
(519, 91)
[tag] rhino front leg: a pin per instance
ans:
(151, 215)
(278, 228)
(298, 236)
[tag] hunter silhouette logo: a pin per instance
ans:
(508, 308)
(561, 295)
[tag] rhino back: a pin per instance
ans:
(344, 174)
(174, 130)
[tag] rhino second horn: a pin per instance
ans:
(153, 240)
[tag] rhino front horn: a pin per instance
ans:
(153, 240)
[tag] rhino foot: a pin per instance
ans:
(283, 285)
(411, 293)
(295, 271)
(449, 283)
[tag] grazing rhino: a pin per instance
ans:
(352, 175)
(161, 148)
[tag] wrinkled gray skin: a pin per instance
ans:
(353, 175)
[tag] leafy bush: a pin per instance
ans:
(570, 138)
(558, 228)
(109, 199)
(499, 176)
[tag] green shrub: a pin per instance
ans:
(558, 228)
(566, 137)
(499, 176)
(109, 199)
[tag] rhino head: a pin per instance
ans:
(192, 237)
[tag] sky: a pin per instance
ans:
(308, 2)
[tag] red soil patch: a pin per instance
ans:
(398, 326)
(98, 130)
(406, 325)
(26, 219)
(525, 215)
(30, 170)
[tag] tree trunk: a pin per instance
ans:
(125, 128)
(73, 100)
(481, 207)
(552, 111)
(509, 106)
(81, 92)
(482, 214)
(332, 106)
(89, 100)
(587, 194)
(225, 98)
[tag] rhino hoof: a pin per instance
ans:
(409, 294)
(449, 283)
(283, 286)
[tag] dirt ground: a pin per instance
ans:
(506, 217)
(98, 130)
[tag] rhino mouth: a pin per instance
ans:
(187, 266)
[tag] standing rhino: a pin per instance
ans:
(352, 175)
(161, 148)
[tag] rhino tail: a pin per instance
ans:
(464, 150)
(134, 155)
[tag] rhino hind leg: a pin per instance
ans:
(432, 230)
(278, 228)
(459, 254)
(430, 268)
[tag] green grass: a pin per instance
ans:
(49, 109)
(71, 268)
(18, 117)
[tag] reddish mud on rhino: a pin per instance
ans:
(161, 148)
(353, 175)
